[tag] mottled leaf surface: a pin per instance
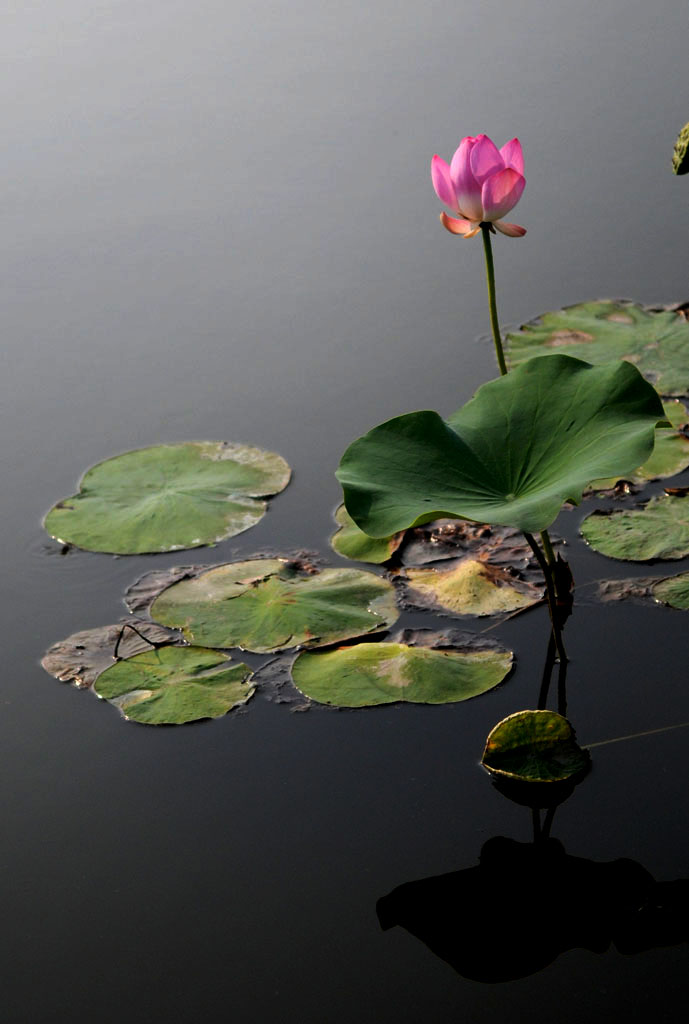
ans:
(668, 590)
(268, 605)
(534, 746)
(175, 685)
(81, 657)
(659, 530)
(429, 669)
(657, 342)
(468, 587)
(169, 497)
(522, 446)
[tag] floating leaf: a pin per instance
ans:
(352, 543)
(431, 669)
(534, 746)
(657, 342)
(658, 530)
(168, 497)
(82, 657)
(174, 685)
(670, 454)
(522, 446)
(669, 590)
(469, 587)
(270, 604)
(446, 539)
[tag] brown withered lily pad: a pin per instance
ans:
(83, 656)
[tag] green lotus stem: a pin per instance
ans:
(547, 547)
(548, 575)
(490, 279)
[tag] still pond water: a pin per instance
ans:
(218, 223)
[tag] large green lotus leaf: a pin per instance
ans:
(174, 685)
(469, 587)
(351, 542)
(658, 530)
(385, 673)
(267, 605)
(534, 746)
(168, 497)
(511, 456)
(670, 454)
(657, 342)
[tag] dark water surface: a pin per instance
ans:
(217, 222)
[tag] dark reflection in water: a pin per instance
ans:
(524, 904)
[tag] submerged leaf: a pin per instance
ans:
(668, 590)
(168, 497)
(469, 587)
(349, 541)
(657, 342)
(534, 746)
(270, 604)
(658, 530)
(522, 446)
(428, 669)
(82, 657)
(174, 685)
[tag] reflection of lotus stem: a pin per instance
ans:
(549, 576)
(490, 278)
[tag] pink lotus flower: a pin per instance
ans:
(482, 183)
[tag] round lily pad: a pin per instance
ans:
(673, 590)
(385, 673)
(168, 497)
(670, 454)
(656, 341)
(534, 746)
(351, 542)
(658, 530)
(174, 685)
(271, 604)
(522, 446)
(469, 587)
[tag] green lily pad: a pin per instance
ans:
(168, 497)
(83, 656)
(429, 670)
(174, 685)
(657, 342)
(670, 454)
(673, 591)
(469, 586)
(522, 446)
(680, 155)
(534, 746)
(351, 542)
(270, 604)
(658, 530)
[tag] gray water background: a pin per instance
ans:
(217, 222)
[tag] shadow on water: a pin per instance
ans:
(524, 904)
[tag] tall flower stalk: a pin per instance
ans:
(482, 184)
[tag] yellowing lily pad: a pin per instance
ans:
(469, 587)
(271, 604)
(168, 497)
(351, 542)
(659, 530)
(175, 685)
(656, 341)
(534, 747)
(429, 670)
